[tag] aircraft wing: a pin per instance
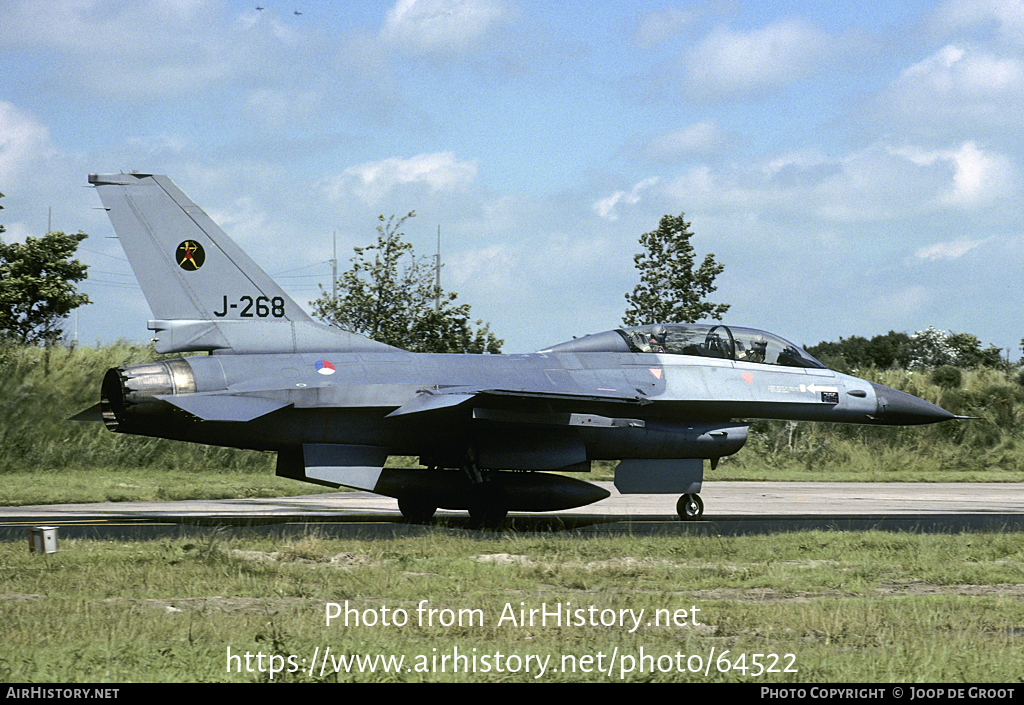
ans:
(614, 398)
(223, 407)
(430, 401)
(504, 406)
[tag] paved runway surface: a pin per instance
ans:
(730, 508)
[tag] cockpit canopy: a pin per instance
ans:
(697, 340)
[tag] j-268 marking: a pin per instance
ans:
(259, 307)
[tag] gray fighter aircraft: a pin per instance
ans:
(335, 405)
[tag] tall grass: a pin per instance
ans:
(41, 388)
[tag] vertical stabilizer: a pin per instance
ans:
(204, 291)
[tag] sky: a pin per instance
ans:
(856, 168)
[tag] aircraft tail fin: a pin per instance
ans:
(204, 291)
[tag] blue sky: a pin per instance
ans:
(856, 169)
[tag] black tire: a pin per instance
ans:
(416, 511)
(690, 507)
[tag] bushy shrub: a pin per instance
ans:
(947, 376)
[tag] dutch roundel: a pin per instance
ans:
(325, 367)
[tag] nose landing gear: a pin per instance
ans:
(690, 507)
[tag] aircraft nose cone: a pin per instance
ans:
(902, 409)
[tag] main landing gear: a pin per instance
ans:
(690, 507)
(487, 505)
(415, 510)
(470, 489)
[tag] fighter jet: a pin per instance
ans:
(487, 429)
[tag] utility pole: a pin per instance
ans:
(437, 273)
(334, 270)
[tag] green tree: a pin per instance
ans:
(670, 291)
(37, 286)
(969, 352)
(882, 351)
(932, 348)
(390, 295)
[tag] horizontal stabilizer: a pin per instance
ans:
(223, 407)
(93, 413)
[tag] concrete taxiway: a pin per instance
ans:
(730, 508)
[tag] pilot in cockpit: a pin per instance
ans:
(652, 341)
(756, 352)
(657, 342)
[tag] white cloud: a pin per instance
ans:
(903, 302)
(954, 70)
(244, 218)
(701, 137)
(656, 27)
(24, 144)
(958, 15)
(979, 177)
(442, 26)
(606, 206)
(277, 109)
(959, 90)
(371, 181)
(877, 184)
(491, 268)
(729, 62)
(150, 49)
(947, 250)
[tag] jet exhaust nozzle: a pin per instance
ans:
(124, 389)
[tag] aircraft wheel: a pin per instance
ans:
(690, 507)
(416, 511)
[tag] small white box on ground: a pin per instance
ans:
(42, 539)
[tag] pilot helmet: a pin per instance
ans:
(658, 334)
